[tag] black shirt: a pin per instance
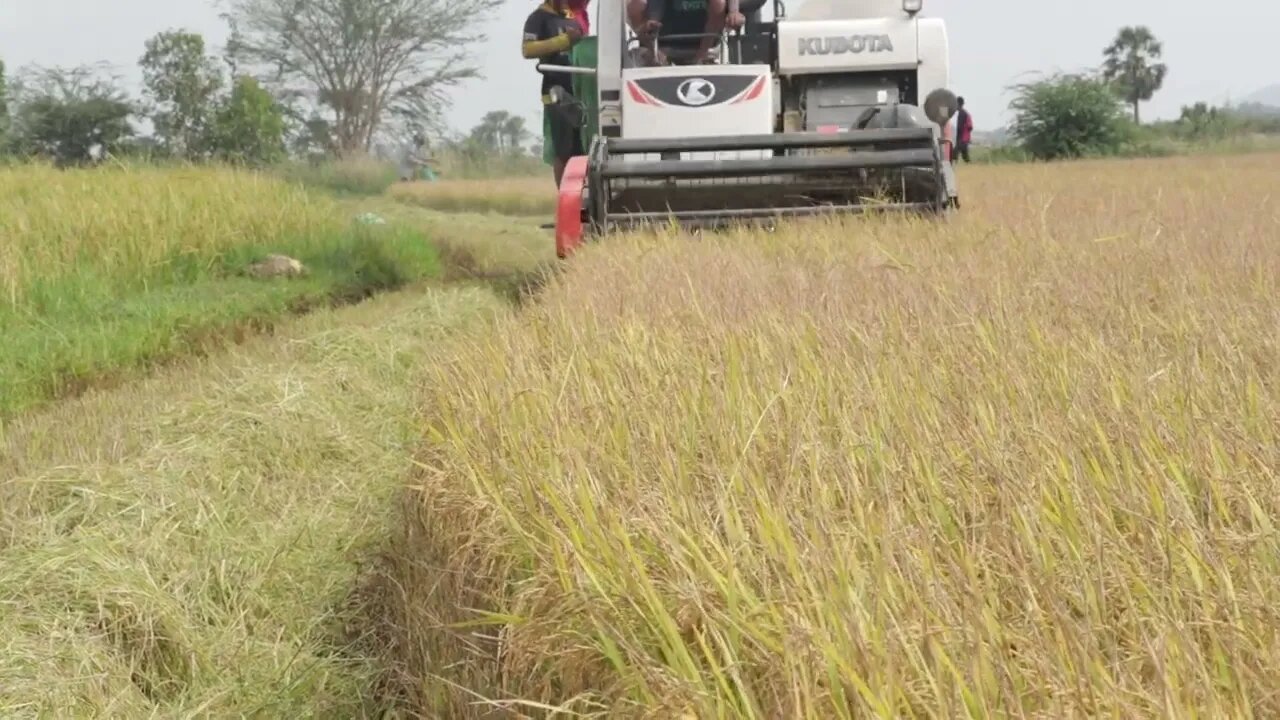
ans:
(546, 38)
(678, 17)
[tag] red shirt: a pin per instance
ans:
(579, 8)
(964, 127)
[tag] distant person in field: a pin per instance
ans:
(550, 31)
(415, 160)
(964, 133)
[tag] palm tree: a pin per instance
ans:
(1132, 65)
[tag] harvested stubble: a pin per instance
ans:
(1020, 464)
(186, 546)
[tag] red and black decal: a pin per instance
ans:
(696, 91)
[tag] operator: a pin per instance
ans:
(549, 32)
(661, 18)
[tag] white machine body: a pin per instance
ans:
(709, 100)
(809, 46)
(870, 45)
(698, 101)
(817, 110)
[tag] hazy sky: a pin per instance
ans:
(1213, 54)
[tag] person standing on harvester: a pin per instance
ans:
(657, 19)
(964, 133)
(549, 33)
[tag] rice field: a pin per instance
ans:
(187, 542)
(1023, 463)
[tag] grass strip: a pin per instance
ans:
(113, 271)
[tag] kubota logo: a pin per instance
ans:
(696, 91)
(842, 44)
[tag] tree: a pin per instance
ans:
(514, 131)
(249, 126)
(311, 137)
(490, 132)
(363, 62)
(499, 130)
(1132, 65)
(69, 115)
(182, 84)
(1068, 116)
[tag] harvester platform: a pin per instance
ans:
(777, 131)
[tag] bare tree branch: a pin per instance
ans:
(362, 62)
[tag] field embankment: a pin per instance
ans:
(1021, 463)
(107, 270)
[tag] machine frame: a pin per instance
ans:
(624, 181)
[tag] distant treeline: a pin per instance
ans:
(345, 81)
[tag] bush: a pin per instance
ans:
(999, 154)
(465, 163)
(1069, 116)
(365, 175)
(71, 116)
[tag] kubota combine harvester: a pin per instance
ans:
(841, 108)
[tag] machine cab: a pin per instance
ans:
(734, 95)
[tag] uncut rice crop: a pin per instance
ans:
(114, 269)
(1023, 462)
(130, 221)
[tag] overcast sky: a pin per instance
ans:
(1215, 52)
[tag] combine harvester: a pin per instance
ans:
(840, 109)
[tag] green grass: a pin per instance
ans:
(110, 272)
(84, 329)
(1148, 143)
(479, 243)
